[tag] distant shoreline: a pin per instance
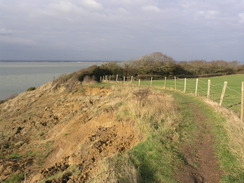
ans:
(18, 75)
(74, 61)
(52, 61)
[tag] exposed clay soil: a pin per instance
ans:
(200, 162)
(51, 131)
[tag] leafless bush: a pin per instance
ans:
(141, 95)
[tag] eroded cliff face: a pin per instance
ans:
(60, 133)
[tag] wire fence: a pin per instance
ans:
(229, 96)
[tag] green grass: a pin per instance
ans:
(232, 98)
(14, 156)
(228, 160)
(15, 178)
(154, 160)
(158, 157)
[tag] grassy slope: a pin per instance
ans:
(229, 162)
(233, 93)
(158, 157)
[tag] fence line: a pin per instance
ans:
(217, 92)
(223, 93)
(209, 88)
(242, 102)
(233, 90)
(202, 82)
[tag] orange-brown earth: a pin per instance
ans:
(52, 132)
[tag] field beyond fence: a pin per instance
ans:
(225, 90)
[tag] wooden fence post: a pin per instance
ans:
(223, 93)
(139, 82)
(209, 86)
(131, 79)
(117, 77)
(185, 86)
(175, 82)
(151, 81)
(242, 102)
(196, 87)
(124, 79)
(165, 80)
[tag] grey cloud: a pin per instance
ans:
(16, 40)
(183, 29)
(151, 8)
(241, 18)
(4, 32)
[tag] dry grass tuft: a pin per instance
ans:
(149, 108)
(69, 81)
(142, 95)
(89, 80)
(116, 169)
(153, 113)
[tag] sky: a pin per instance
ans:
(121, 29)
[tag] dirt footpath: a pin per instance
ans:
(200, 162)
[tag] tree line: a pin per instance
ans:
(159, 65)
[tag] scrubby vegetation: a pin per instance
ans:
(92, 73)
(159, 65)
(156, 65)
(31, 88)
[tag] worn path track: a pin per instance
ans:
(200, 162)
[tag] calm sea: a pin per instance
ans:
(16, 77)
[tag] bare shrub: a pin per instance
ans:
(141, 95)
